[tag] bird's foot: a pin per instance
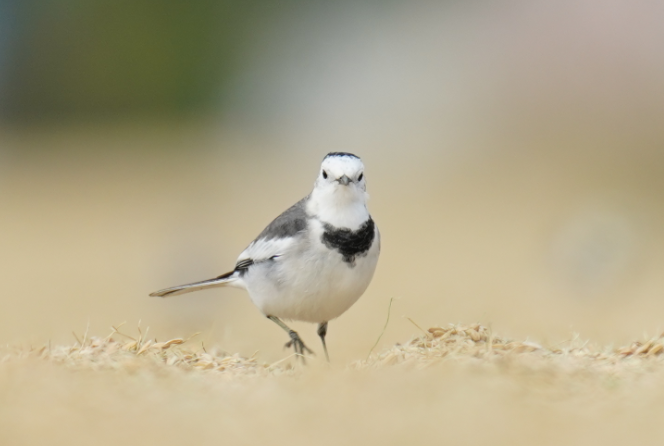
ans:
(298, 345)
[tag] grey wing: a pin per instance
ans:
(277, 237)
(291, 222)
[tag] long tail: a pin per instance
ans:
(220, 281)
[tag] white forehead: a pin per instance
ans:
(339, 165)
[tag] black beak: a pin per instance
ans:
(344, 180)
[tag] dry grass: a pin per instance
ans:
(119, 351)
(456, 383)
(473, 345)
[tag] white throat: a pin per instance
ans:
(340, 206)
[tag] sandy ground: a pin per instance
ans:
(460, 384)
(539, 246)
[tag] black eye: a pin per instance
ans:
(360, 177)
(325, 175)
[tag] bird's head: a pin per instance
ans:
(341, 173)
(339, 196)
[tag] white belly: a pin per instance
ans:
(312, 283)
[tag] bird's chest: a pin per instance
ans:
(350, 244)
(339, 259)
(323, 274)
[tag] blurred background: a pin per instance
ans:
(514, 153)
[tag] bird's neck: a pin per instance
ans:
(341, 210)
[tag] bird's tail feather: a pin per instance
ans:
(220, 281)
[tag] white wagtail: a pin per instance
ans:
(313, 261)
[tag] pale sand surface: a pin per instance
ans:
(538, 242)
(456, 384)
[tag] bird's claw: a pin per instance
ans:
(298, 345)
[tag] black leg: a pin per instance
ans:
(295, 342)
(322, 331)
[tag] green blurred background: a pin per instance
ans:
(514, 152)
(102, 59)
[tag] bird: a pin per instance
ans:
(313, 261)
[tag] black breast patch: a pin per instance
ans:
(350, 244)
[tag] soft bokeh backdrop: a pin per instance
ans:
(514, 153)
